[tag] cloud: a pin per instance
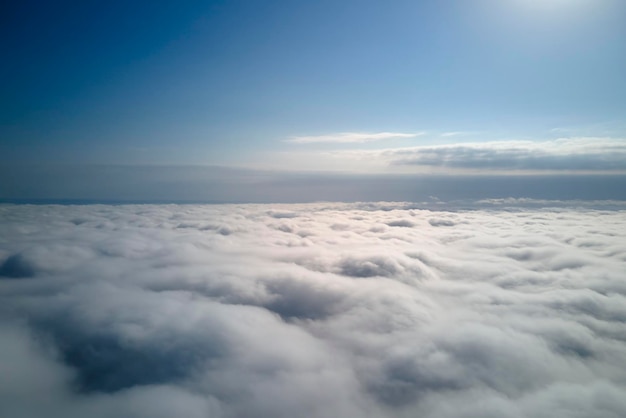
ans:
(572, 154)
(351, 137)
(507, 308)
(455, 133)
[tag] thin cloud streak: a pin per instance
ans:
(351, 137)
(455, 133)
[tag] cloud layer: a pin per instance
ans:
(316, 310)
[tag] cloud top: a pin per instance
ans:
(372, 309)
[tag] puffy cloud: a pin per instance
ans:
(313, 310)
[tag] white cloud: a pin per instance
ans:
(352, 137)
(312, 310)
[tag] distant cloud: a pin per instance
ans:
(372, 310)
(568, 154)
(351, 137)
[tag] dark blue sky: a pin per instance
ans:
(243, 82)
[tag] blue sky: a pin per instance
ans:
(353, 85)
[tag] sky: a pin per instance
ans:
(480, 86)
